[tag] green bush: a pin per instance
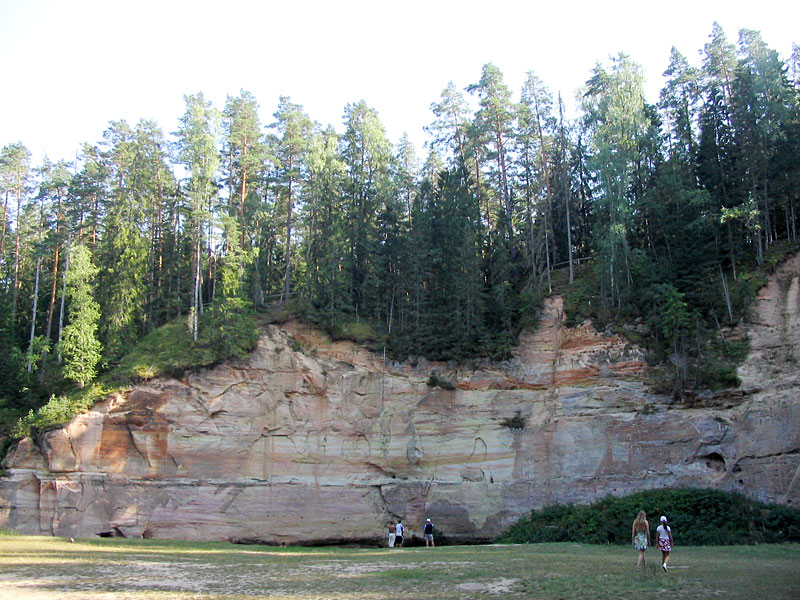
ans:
(436, 380)
(356, 331)
(698, 517)
(59, 409)
(228, 330)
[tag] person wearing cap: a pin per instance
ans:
(427, 532)
(665, 542)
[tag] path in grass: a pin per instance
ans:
(41, 568)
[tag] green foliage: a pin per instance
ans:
(59, 410)
(678, 213)
(80, 345)
(436, 380)
(230, 332)
(697, 517)
(229, 329)
(166, 350)
(295, 308)
(9, 415)
(581, 299)
(356, 331)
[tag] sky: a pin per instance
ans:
(71, 66)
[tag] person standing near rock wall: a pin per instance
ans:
(392, 535)
(427, 532)
(640, 534)
(399, 530)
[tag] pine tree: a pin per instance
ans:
(535, 129)
(494, 123)
(366, 153)
(15, 167)
(294, 128)
(123, 245)
(198, 153)
(678, 102)
(324, 224)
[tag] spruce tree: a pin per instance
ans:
(80, 346)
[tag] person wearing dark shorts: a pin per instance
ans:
(399, 532)
(427, 532)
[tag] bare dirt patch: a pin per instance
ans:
(497, 586)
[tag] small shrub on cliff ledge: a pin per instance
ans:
(698, 517)
(357, 331)
(436, 380)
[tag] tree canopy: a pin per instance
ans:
(673, 211)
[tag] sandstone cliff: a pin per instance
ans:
(314, 441)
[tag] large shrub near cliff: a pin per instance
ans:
(697, 517)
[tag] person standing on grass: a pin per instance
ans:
(399, 530)
(391, 535)
(665, 542)
(427, 532)
(640, 535)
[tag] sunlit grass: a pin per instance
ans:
(52, 568)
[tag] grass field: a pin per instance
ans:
(38, 568)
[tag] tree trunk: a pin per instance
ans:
(547, 252)
(569, 239)
(53, 289)
(3, 230)
(501, 159)
(196, 286)
(548, 191)
(726, 293)
(288, 261)
(566, 190)
(50, 309)
(242, 198)
(15, 291)
(63, 296)
(33, 313)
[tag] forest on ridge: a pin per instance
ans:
(663, 218)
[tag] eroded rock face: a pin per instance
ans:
(328, 444)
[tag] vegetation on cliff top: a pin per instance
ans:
(698, 517)
(672, 209)
(168, 350)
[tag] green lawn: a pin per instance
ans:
(52, 568)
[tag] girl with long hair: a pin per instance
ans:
(640, 535)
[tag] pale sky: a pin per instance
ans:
(71, 66)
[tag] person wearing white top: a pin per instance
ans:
(399, 530)
(665, 542)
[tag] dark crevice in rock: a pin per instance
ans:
(135, 445)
